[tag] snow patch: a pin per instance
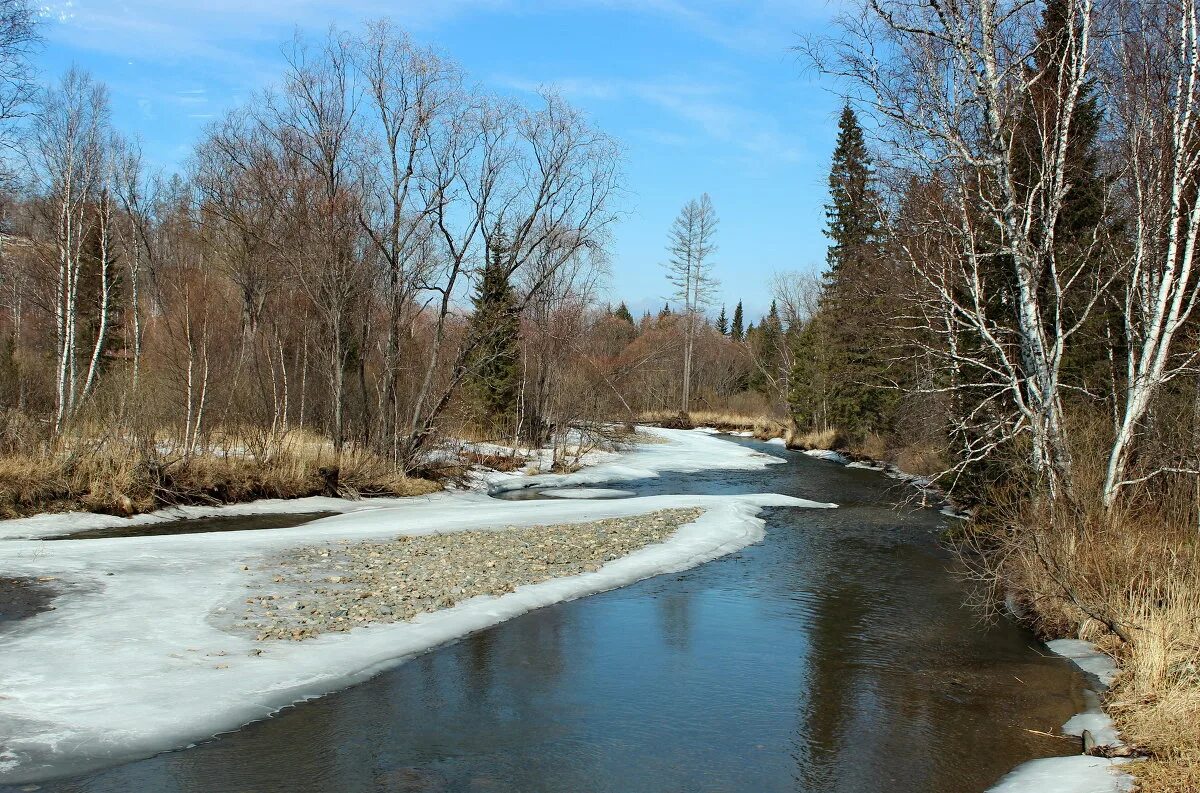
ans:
(1077, 774)
(53, 524)
(682, 451)
(828, 455)
(777, 442)
(1095, 721)
(1087, 657)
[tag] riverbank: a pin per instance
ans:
(1104, 765)
(138, 655)
(83, 474)
(1130, 584)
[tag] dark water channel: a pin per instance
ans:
(835, 655)
(198, 526)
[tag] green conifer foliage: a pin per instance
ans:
(736, 330)
(495, 332)
(852, 314)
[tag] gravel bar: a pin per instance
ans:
(340, 586)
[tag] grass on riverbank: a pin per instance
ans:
(123, 479)
(1129, 583)
(763, 427)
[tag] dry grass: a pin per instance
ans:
(831, 438)
(919, 460)
(1131, 584)
(124, 479)
(763, 427)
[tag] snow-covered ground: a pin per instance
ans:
(687, 451)
(135, 658)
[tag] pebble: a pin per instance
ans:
(342, 586)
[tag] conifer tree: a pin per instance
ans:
(852, 316)
(852, 216)
(495, 330)
(736, 331)
(722, 325)
(622, 313)
(768, 352)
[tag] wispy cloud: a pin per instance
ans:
(708, 111)
(216, 30)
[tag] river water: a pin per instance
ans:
(836, 655)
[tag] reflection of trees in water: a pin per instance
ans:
(305, 744)
(832, 677)
(675, 612)
(870, 711)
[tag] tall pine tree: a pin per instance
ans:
(851, 316)
(722, 323)
(495, 331)
(737, 331)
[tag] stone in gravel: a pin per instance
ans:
(401, 578)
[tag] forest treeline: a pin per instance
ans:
(370, 258)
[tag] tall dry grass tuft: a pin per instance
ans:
(1129, 582)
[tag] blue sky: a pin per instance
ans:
(705, 96)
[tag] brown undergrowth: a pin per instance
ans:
(763, 427)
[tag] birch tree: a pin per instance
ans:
(1152, 75)
(73, 157)
(950, 86)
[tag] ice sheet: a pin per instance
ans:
(682, 451)
(1087, 657)
(1076, 774)
(828, 454)
(587, 492)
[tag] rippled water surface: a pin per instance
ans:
(834, 656)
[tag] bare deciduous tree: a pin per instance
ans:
(691, 247)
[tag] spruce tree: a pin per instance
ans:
(622, 313)
(852, 215)
(767, 343)
(495, 331)
(722, 323)
(736, 331)
(852, 308)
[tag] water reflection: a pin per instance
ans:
(834, 656)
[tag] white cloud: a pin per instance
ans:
(707, 109)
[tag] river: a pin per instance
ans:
(836, 655)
